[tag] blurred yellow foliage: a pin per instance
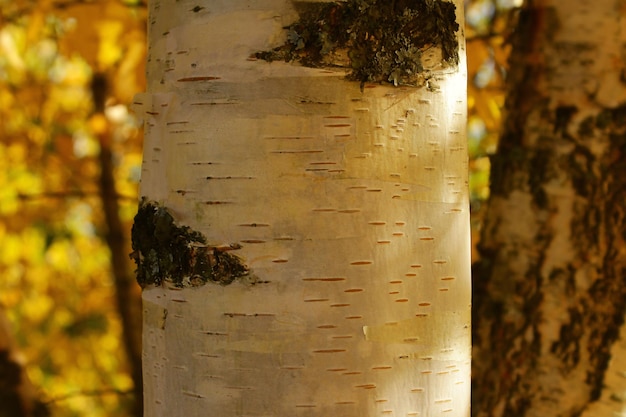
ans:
(56, 285)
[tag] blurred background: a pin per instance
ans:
(70, 158)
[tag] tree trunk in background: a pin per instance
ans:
(550, 290)
(333, 213)
(18, 397)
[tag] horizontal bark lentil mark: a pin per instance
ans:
(249, 314)
(361, 263)
(213, 103)
(325, 279)
(448, 278)
(229, 177)
(381, 368)
(296, 151)
(329, 351)
(340, 305)
(288, 137)
(402, 300)
(217, 202)
(199, 78)
(192, 394)
(315, 300)
(353, 290)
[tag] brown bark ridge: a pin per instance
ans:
(550, 289)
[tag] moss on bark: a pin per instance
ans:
(379, 40)
(164, 251)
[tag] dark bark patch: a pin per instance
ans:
(540, 172)
(381, 40)
(164, 251)
(563, 116)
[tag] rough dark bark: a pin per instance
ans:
(550, 289)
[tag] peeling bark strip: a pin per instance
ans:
(380, 40)
(164, 251)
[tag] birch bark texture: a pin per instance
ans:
(550, 291)
(348, 204)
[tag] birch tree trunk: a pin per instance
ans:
(316, 223)
(550, 292)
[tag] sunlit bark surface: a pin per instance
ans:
(348, 205)
(550, 292)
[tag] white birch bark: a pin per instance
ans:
(351, 209)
